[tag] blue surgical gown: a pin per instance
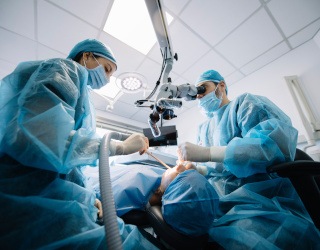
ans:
(256, 212)
(132, 184)
(47, 120)
(47, 133)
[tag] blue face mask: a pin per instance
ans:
(97, 76)
(210, 103)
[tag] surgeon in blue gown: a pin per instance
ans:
(236, 144)
(47, 133)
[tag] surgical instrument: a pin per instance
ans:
(157, 159)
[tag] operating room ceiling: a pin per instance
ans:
(235, 37)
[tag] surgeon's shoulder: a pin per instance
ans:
(250, 98)
(241, 98)
(258, 103)
(27, 66)
(65, 64)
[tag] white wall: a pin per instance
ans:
(303, 61)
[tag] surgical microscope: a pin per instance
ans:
(168, 96)
(168, 99)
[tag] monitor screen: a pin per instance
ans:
(168, 136)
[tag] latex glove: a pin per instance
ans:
(191, 152)
(187, 165)
(134, 143)
(98, 205)
(191, 165)
(201, 169)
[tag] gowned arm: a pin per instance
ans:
(268, 143)
(268, 138)
(53, 128)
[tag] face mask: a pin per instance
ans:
(97, 76)
(210, 103)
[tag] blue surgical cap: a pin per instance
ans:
(210, 75)
(94, 46)
(189, 204)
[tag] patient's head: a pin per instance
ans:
(189, 203)
(167, 177)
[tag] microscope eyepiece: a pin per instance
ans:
(201, 90)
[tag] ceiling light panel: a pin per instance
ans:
(129, 21)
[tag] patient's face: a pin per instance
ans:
(169, 176)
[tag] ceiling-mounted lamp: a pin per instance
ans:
(131, 82)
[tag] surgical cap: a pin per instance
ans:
(189, 204)
(94, 46)
(210, 75)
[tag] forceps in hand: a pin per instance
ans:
(157, 159)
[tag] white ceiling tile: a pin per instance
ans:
(250, 40)
(6, 68)
(47, 53)
(99, 102)
(133, 97)
(128, 59)
(233, 78)
(91, 11)
(15, 48)
(142, 116)
(180, 80)
(58, 29)
(305, 34)
(293, 15)
(124, 109)
(317, 39)
(210, 60)
(175, 6)
(215, 19)
(155, 53)
(11, 13)
(151, 71)
(266, 58)
(188, 47)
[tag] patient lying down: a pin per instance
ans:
(182, 192)
(167, 177)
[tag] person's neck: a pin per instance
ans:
(225, 101)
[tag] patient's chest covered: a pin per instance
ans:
(133, 185)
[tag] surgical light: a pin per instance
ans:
(131, 82)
